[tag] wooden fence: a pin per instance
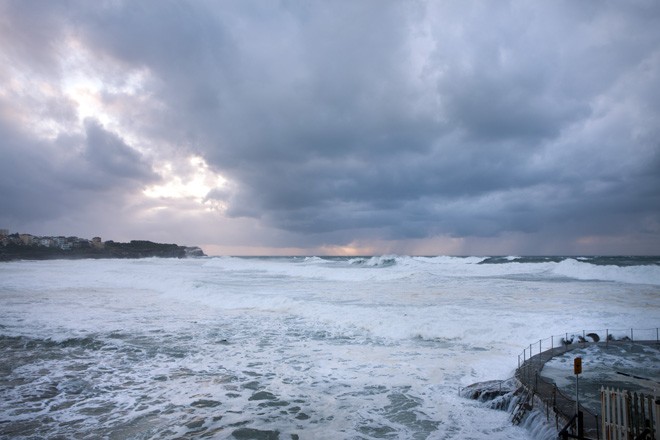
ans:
(629, 416)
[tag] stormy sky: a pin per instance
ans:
(334, 127)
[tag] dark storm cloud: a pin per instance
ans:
(41, 180)
(397, 119)
(107, 154)
(23, 178)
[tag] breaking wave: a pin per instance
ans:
(326, 347)
(631, 270)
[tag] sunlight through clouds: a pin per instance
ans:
(195, 184)
(95, 84)
(337, 128)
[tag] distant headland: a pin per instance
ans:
(31, 247)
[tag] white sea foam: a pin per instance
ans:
(581, 270)
(634, 367)
(324, 348)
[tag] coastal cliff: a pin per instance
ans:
(109, 249)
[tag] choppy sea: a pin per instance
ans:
(308, 348)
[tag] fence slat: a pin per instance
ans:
(656, 414)
(618, 419)
(626, 415)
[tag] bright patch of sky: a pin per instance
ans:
(196, 185)
(347, 127)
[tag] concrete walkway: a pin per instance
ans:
(528, 374)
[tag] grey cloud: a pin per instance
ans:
(42, 179)
(26, 191)
(108, 154)
(31, 32)
(517, 118)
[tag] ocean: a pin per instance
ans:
(308, 348)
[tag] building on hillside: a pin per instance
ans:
(4, 237)
(59, 242)
(77, 242)
(27, 239)
(97, 242)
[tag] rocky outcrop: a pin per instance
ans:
(110, 249)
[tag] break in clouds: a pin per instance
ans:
(509, 127)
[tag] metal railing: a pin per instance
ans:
(568, 339)
(534, 357)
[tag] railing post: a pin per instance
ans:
(607, 337)
(632, 338)
(552, 343)
(540, 346)
(597, 428)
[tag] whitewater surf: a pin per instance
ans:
(360, 348)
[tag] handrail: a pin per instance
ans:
(576, 421)
(584, 336)
(564, 431)
(534, 356)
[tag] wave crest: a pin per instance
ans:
(382, 261)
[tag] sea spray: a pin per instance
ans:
(318, 347)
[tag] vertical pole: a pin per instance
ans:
(654, 415)
(631, 335)
(597, 427)
(539, 346)
(577, 396)
(624, 407)
(518, 361)
(577, 370)
(527, 369)
(603, 408)
(552, 343)
(536, 382)
(607, 337)
(617, 408)
(580, 423)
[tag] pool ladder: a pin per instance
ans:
(521, 408)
